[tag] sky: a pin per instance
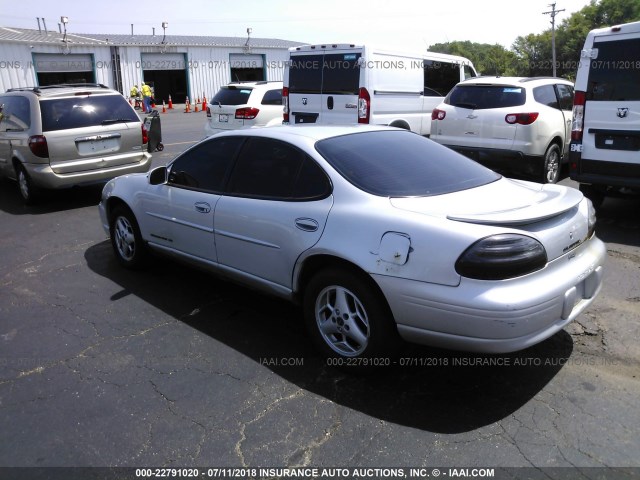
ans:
(411, 25)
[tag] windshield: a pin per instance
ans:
(401, 164)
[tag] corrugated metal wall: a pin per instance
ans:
(207, 68)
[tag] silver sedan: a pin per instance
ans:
(380, 234)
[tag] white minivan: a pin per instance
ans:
(605, 138)
(344, 84)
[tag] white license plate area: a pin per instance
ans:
(223, 118)
(98, 146)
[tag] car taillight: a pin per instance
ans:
(246, 113)
(502, 256)
(521, 118)
(285, 105)
(38, 146)
(438, 114)
(578, 116)
(364, 105)
(208, 112)
(145, 134)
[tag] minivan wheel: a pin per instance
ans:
(27, 189)
(552, 164)
(126, 239)
(346, 318)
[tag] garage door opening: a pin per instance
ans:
(167, 74)
(52, 69)
(247, 68)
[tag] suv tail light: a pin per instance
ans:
(38, 146)
(578, 116)
(521, 118)
(247, 113)
(438, 114)
(285, 105)
(208, 112)
(364, 105)
(145, 134)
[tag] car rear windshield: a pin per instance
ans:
(232, 96)
(85, 111)
(479, 97)
(614, 74)
(401, 164)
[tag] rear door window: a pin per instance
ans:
(85, 111)
(331, 74)
(614, 74)
(272, 97)
(546, 95)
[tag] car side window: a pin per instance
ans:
(15, 113)
(276, 170)
(546, 95)
(565, 94)
(205, 166)
(272, 97)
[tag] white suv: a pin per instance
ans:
(243, 105)
(514, 125)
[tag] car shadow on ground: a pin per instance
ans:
(618, 221)
(49, 201)
(429, 389)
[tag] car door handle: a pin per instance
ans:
(307, 224)
(330, 103)
(202, 207)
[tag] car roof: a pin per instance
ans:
(524, 81)
(265, 83)
(63, 90)
(312, 132)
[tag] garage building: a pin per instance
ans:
(176, 66)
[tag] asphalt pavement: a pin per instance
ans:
(171, 367)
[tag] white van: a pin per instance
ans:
(605, 138)
(343, 84)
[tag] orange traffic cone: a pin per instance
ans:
(170, 103)
(187, 106)
(204, 103)
(164, 107)
(144, 107)
(153, 104)
(197, 109)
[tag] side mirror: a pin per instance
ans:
(158, 176)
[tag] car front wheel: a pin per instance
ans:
(552, 164)
(126, 239)
(347, 317)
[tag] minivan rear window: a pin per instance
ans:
(614, 74)
(85, 111)
(231, 95)
(478, 97)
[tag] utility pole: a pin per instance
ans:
(553, 14)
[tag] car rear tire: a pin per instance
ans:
(551, 167)
(28, 191)
(348, 318)
(126, 239)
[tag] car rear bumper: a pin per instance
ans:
(504, 161)
(498, 316)
(44, 176)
